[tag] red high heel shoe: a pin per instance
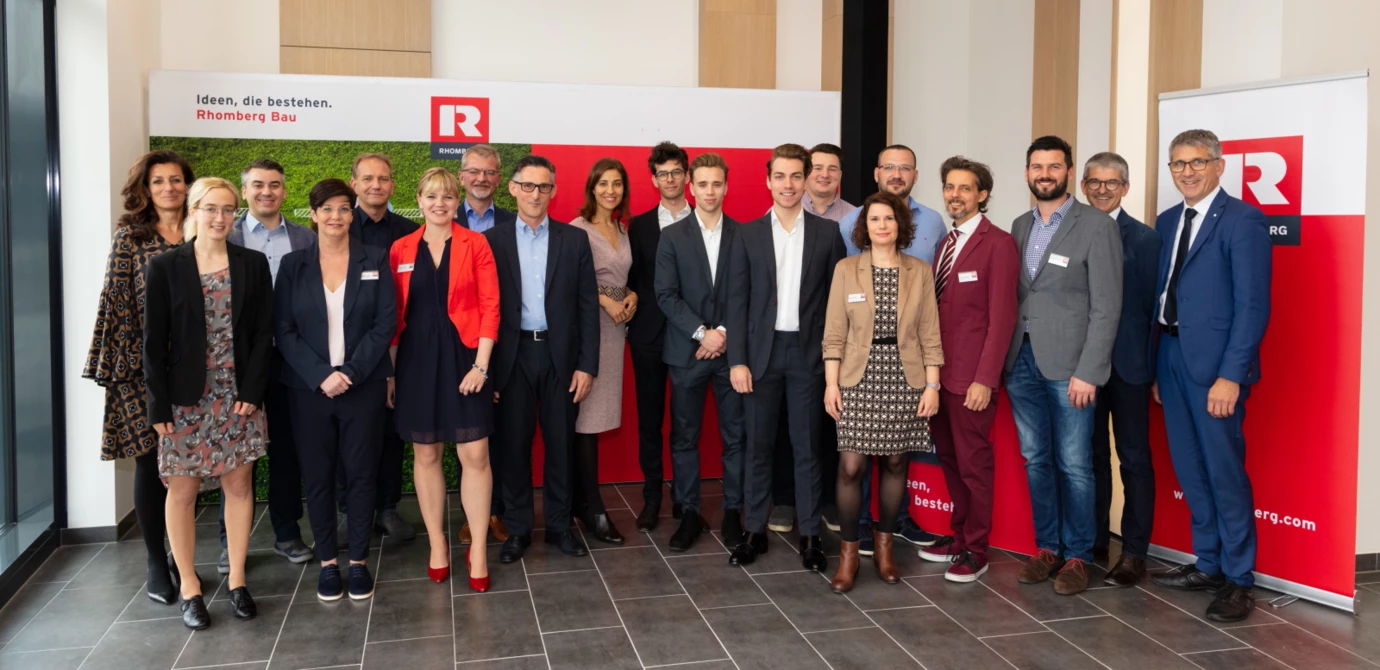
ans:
(439, 575)
(477, 584)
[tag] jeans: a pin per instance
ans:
(1056, 441)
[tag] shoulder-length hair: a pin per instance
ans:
(141, 216)
(590, 207)
(905, 227)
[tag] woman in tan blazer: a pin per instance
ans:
(881, 372)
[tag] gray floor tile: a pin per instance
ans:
(1196, 604)
(117, 565)
(1117, 645)
(319, 634)
(537, 662)
(780, 557)
(232, 641)
(142, 609)
(66, 562)
(1163, 623)
(1038, 600)
(1298, 648)
(414, 608)
(871, 593)
(712, 582)
(928, 634)
(63, 659)
(636, 573)
(542, 557)
(207, 547)
(669, 630)
(1235, 659)
(1358, 634)
(137, 646)
(975, 607)
(268, 574)
(572, 602)
(26, 602)
(870, 648)
(805, 599)
(759, 636)
(1368, 577)
(605, 648)
(1041, 651)
(501, 577)
(432, 653)
(625, 520)
(495, 625)
(73, 619)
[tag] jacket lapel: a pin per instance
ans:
(906, 277)
(315, 281)
(353, 275)
(725, 247)
(553, 252)
(1210, 218)
(695, 239)
(506, 245)
(1021, 231)
(809, 252)
(238, 287)
(187, 273)
(1070, 220)
(970, 246)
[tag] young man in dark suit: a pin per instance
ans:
(781, 268)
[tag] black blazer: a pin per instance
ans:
(175, 328)
(572, 302)
(371, 316)
(685, 292)
(502, 217)
(644, 235)
(1133, 355)
(752, 302)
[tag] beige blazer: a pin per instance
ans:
(848, 324)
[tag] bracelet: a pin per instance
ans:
(482, 371)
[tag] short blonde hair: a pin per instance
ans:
(438, 178)
(197, 193)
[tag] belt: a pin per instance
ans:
(534, 335)
(884, 340)
(1172, 331)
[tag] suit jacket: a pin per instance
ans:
(1224, 296)
(685, 292)
(572, 301)
(502, 217)
(1072, 311)
(472, 302)
(848, 325)
(175, 328)
(300, 328)
(299, 236)
(752, 300)
(644, 236)
(1133, 355)
(976, 317)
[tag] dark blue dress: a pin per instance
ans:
(431, 362)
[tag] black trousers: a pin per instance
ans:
(390, 476)
(534, 393)
(284, 470)
(783, 465)
(1128, 405)
(688, 386)
(649, 377)
(340, 435)
(788, 386)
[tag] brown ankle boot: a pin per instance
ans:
(847, 570)
(886, 567)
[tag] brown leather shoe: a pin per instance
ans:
(464, 536)
(1129, 570)
(1038, 568)
(1072, 579)
(881, 556)
(498, 529)
(847, 570)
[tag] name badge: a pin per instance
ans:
(965, 277)
(857, 297)
(369, 274)
(404, 267)
(1061, 261)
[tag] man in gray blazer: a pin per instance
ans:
(1069, 302)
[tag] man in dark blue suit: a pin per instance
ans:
(1214, 304)
(1125, 399)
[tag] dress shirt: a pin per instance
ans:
(479, 222)
(835, 211)
(1201, 208)
(665, 217)
(790, 257)
(272, 243)
(1115, 214)
(335, 323)
(1041, 232)
(965, 233)
(712, 238)
(929, 230)
(532, 248)
(382, 233)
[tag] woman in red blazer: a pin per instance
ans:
(447, 288)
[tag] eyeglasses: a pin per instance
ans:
(528, 187)
(475, 172)
(211, 211)
(1198, 164)
(892, 167)
(665, 175)
(1099, 184)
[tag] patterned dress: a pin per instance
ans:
(209, 439)
(116, 358)
(602, 409)
(878, 417)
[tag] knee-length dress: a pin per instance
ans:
(209, 439)
(428, 406)
(879, 414)
(602, 409)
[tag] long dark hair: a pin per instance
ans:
(141, 216)
(621, 212)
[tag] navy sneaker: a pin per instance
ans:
(865, 543)
(907, 530)
(361, 582)
(328, 586)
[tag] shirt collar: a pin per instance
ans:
(522, 226)
(704, 228)
(1059, 213)
(1205, 202)
(970, 226)
(253, 223)
(675, 215)
(809, 203)
(799, 221)
(1115, 214)
(470, 210)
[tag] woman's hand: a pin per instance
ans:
(244, 409)
(833, 401)
(613, 307)
(163, 429)
(472, 383)
(392, 392)
(929, 403)
(629, 305)
(335, 384)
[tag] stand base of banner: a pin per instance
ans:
(1308, 593)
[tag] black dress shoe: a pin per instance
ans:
(242, 605)
(1129, 570)
(646, 520)
(161, 588)
(812, 553)
(691, 527)
(1233, 603)
(676, 511)
(747, 551)
(194, 614)
(567, 543)
(733, 527)
(1188, 578)
(603, 530)
(513, 548)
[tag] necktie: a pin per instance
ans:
(1171, 306)
(946, 262)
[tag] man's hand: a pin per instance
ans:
(741, 378)
(1081, 393)
(702, 354)
(715, 341)
(978, 397)
(1155, 392)
(1222, 398)
(581, 385)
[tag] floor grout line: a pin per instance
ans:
(677, 665)
(1018, 608)
(892, 609)
(558, 572)
(503, 658)
(669, 595)
(288, 613)
(1032, 632)
(1213, 651)
(55, 595)
(788, 619)
(535, 616)
(40, 651)
(1224, 631)
(729, 607)
(583, 630)
(609, 591)
(887, 632)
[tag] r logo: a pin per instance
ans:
(1268, 173)
(456, 124)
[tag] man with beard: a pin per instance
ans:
(1069, 303)
(480, 172)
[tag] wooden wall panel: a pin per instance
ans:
(355, 62)
(831, 47)
(1176, 64)
(1054, 108)
(738, 43)
(394, 25)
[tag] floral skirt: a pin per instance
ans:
(209, 439)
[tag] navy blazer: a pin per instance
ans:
(685, 292)
(648, 323)
(1224, 291)
(371, 316)
(1133, 354)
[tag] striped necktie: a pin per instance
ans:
(946, 262)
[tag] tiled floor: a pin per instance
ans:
(642, 606)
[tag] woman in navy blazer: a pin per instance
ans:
(336, 312)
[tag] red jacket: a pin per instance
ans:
(472, 302)
(976, 317)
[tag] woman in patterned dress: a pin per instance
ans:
(155, 208)
(881, 371)
(208, 337)
(604, 217)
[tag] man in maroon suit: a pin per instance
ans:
(975, 281)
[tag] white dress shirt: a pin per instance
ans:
(965, 231)
(335, 323)
(712, 239)
(1115, 214)
(1201, 208)
(790, 257)
(665, 217)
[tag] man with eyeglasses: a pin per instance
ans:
(822, 185)
(263, 228)
(1213, 307)
(481, 169)
(1125, 398)
(668, 164)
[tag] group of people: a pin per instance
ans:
(829, 335)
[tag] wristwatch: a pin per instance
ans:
(699, 334)
(934, 386)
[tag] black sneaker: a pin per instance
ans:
(361, 582)
(328, 585)
(1233, 603)
(910, 532)
(1188, 578)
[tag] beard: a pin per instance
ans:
(1060, 189)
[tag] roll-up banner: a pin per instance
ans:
(316, 125)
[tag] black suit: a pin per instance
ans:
(340, 434)
(529, 374)
(787, 367)
(691, 296)
(646, 335)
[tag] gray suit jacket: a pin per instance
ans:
(1072, 311)
(299, 236)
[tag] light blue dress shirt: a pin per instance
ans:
(272, 243)
(929, 230)
(532, 248)
(479, 222)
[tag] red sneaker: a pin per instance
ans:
(967, 568)
(942, 551)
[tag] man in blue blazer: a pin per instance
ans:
(1125, 399)
(1214, 304)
